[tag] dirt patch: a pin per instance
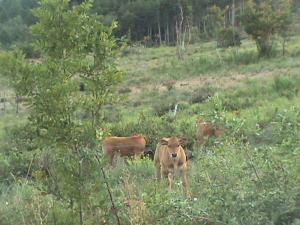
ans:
(228, 81)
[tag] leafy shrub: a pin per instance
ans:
(239, 176)
(228, 37)
(286, 126)
(202, 94)
(26, 204)
(263, 21)
(19, 148)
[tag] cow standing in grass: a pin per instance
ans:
(169, 159)
(205, 129)
(123, 146)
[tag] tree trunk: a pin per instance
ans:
(233, 13)
(180, 35)
(158, 26)
(204, 28)
(168, 34)
(189, 32)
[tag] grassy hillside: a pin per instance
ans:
(249, 176)
(156, 64)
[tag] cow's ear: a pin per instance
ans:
(182, 141)
(163, 141)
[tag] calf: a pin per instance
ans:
(206, 129)
(123, 146)
(170, 158)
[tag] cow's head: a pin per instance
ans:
(200, 121)
(173, 145)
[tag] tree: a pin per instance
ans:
(213, 20)
(265, 19)
(76, 48)
(15, 17)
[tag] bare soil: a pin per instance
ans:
(223, 82)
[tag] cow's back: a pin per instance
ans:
(125, 146)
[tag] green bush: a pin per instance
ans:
(286, 126)
(20, 148)
(202, 94)
(228, 37)
(238, 186)
(26, 204)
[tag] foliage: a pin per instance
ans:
(214, 20)
(228, 37)
(15, 18)
(285, 86)
(149, 22)
(202, 94)
(248, 176)
(75, 48)
(264, 20)
(20, 148)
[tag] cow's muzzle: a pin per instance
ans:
(174, 155)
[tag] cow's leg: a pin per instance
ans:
(108, 155)
(169, 176)
(164, 173)
(158, 171)
(184, 181)
(138, 155)
(170, 180)
(200, 141)
(116, 158)
(109, 158)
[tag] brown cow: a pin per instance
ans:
(170, 158)
(206, 129)
(123, 146)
